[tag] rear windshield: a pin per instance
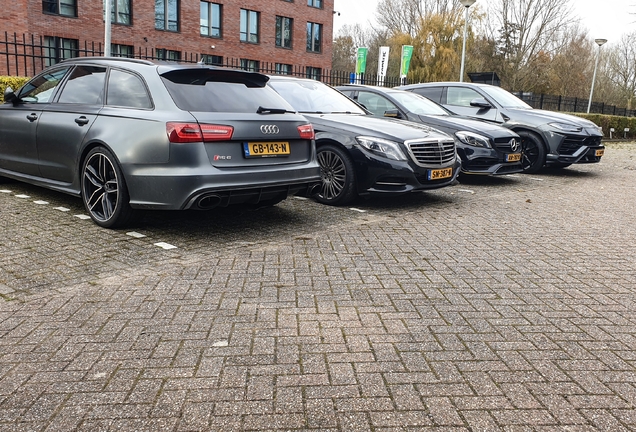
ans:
(233, 92)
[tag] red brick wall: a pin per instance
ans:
(25, 16)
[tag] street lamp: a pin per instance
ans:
(600, 43)
(466, 4)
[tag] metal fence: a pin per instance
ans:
(570, 104)
(28, 55)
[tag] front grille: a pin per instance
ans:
(571, 144)
(503, 144)
(432, 153)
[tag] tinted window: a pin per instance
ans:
(221, 91)
(315, 97)
(41, 88)
(433, 93)
(461, 96)
(84, 86)
(418, 104)
(127, 90)
(375, 103)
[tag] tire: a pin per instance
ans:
(338, 178)
(104, 190)
(533, 152)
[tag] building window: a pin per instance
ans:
(315, 3)
(210, 19)
(60, 7)
(166, 54)
(57, 49)
(250, 65)
(212, 59)
(120, 11)
(117, 50)
(284, 32)
(249, 26)
(314, 37)
(167, 15)
(283, 69)
(313, 73)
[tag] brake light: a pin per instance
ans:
(307, 132)
(193, 132)
(216, 132)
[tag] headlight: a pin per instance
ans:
(566, 127)
(382, 147)
(473, 139)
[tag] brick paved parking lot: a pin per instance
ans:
(496, 304)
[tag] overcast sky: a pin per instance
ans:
(608, 19)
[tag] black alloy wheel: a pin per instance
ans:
(533, 152)
(338, 178)
(104, 191)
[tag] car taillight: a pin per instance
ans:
(307, 132)
(216, 132)
(193, 132)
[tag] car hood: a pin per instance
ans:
(539, 117)
(452, 124)
(395, 130)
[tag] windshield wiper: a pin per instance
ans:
(263, 110)
(311, 112)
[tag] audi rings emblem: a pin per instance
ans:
(515, 145)
(270, 129)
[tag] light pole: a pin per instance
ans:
(466, 4)
(107, 28)
(600, 43)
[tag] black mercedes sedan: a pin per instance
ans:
(484, 148)
(127, 134)
(360, 154)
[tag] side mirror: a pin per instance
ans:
(392, 113)
(480, 103)
(9, 95)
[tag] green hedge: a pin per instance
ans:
(13, 82)
(617, 122)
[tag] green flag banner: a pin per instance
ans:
(407, 53)
(361, 60)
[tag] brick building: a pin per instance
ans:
(281, 34)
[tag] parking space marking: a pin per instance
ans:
(5, 191)
(301, 198)
(357, 210)
(135, 234)
(513, 176)
(62, 209)
(466, 191)
(22, 196)
(536, 178)
(40, 202)
(165, 246)
(82, 217)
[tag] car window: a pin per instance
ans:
(127, 90)
(221, 91)
(433, 93)
(308, 96)
(505, 98)
(41, 88)
(84, 86)
(418, 104)
(375, 103)
(459, 96)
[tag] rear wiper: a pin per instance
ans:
(263, 110)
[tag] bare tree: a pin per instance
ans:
(525, 28)
(621, 67)
(405, 16)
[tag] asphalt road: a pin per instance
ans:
(496, 304)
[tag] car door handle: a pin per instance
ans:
(32, 117)
(81, 120)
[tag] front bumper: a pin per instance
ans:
(380, 176)
(486, 161)
(571, 149)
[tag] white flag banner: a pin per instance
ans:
(383, 63)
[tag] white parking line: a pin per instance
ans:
(135, 234)
(39, 202)
(513, 176)
(22, 196)
(535, 178)
(165, 246)
(82, 217)
(465, 191)
(5, 191)
(301, 198)
(357, 210)
(62, 209)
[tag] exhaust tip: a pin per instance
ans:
(208, 202)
